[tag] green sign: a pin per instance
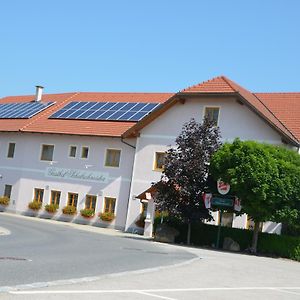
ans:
(224, 202)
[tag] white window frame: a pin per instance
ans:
(11, 142)
(116, 204)
(72, 157)
(84, 146)
(41, 151)
(154, 161)
(105, 155)
(212, 106)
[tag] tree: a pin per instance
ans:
(265, 177)
(185, 175)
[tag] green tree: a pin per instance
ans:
(265, 177)
(185, 175)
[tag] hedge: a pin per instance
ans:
(205, 235)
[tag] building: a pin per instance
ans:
(101, 150)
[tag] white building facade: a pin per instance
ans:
(85, 166)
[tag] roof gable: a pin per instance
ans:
(223, 86)
(215, 85)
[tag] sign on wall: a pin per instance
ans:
(76, 174)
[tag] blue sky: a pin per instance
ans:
(148, 46)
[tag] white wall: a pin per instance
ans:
(26, 171)
(235, 120)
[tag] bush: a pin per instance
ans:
(4, 200)
(69, 210)
(35, 205)
(51, 208)
(296, 253)
(279, 245)
(106, 216)
(206, 235)
(87, 212)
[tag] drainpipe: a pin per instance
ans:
(130, 184)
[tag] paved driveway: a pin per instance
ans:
(42, 251)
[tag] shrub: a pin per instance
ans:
(107, 216)
(87, 212)
(279, 245)
(69, 210)
(35, 205)
(51, 208)
(4, 200)
(296, 253)
(206, 235)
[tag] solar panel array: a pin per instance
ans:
(112, 111)
(23, 110)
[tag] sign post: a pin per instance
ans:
(221, 202)
(219, 229)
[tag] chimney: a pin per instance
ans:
(38, 93)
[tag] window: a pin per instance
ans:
(11, 150)
(84, 152)
(38, 195)
(212, 114)
(112, 158)
(55, 197)
(90, 202)
(47, 152)
(159, 161)
(72, 151)
(7, 190)
(109, 205)
(72, 199)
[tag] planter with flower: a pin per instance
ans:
(4, 201)
(107, 216)
(87, 213)
(51, 208)
(69, 210)
(35, 205)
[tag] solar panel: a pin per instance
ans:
(22, 110)
(103, 111)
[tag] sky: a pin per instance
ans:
(147, 46)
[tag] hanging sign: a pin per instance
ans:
(222, 202)
(223, 188)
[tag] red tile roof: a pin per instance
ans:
(280, 110)
(286, 108)
(215, 85)
(41, 124)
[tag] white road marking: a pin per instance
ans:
(93, 278)
(154, 290)
(156, 296)
(289, 292)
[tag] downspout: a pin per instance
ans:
(122, 140)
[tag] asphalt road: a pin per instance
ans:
(175, 275)
(38, 251)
